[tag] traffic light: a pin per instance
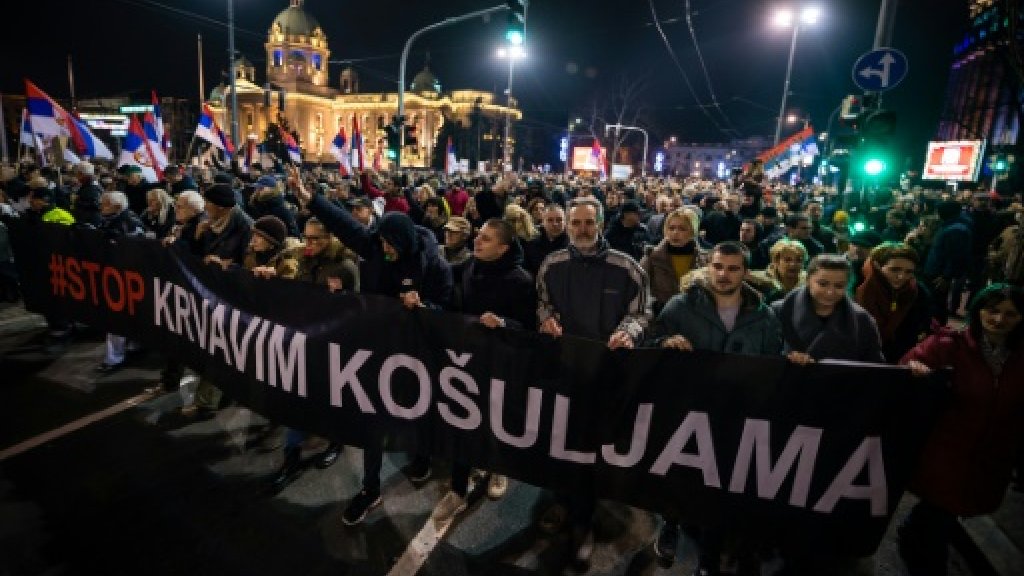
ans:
(393, 141)
(516, 31)
(874, 127)
(1001, 163)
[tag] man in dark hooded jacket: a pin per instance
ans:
(398, 259)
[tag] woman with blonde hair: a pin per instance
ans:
(521, 222)
(158, 217)
(679, 252)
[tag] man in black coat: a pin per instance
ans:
(86, 207)
(398, 259)
(551, 238)
(267, 199)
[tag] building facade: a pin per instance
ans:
(711, 160)
(984, 89)
(298, 93)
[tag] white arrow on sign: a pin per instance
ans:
(883, 74)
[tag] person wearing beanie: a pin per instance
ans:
(626, 233)
(222, 240)
(41, 210)
(949, 258)
(268, 199)
(268, 255)
(400, 260)
(86, 206)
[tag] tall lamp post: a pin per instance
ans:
(234, 88)
(784, 18)
(512, 53)
(573, 122)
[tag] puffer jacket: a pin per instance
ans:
(693, 314)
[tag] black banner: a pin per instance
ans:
(817, 455)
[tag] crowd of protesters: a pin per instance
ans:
(923, 278)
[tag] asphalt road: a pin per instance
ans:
(142, 490)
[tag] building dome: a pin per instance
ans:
(294, 21)
(425, 81)
(217, 94)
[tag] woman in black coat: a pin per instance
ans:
(820, 321)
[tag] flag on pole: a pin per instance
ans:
(156, 149)
(357, 142)
(376, 156)
(49, 119)
(450, 161)
(249, 155)
(28, 136)
(209, 130)
(158, 125)
(289, 142)
(137, 152)
(341, 150)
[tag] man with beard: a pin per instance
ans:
(592, 291)
(716, 311)
(551, 238)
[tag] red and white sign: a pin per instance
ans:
(958, 160)
(583, 158)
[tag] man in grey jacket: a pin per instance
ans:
(592, 291)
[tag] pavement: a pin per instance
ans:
(99, 476)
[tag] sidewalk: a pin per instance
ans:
(14, 318)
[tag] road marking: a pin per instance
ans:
(72, 426)
(419, 549)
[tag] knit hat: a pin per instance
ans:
(266, 181)
(866, 239)
(85, 168)
(630, 206)
(271, 228)
(222, 178)
(221, 195)
(130, 169)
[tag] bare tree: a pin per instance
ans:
(622, 102)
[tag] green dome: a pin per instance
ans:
(295, 21)
(425, 81)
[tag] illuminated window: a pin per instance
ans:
(316, 61)
(278, 58)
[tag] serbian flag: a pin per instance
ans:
(49, 119)
(357, 142)
(158, 125)
(341, 151)
(450, 162)
(209, 130)
(377, 160)
(598, 155)
(293, 147)
(137, 152)
(156, 149)
(29, 137)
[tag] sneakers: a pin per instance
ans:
(329, 456)
(289, 470)
(583, 547)
(360, 506)
(418, 470)
(448, 508)
(668, 542)
(496, 486)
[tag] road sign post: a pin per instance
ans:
(880, 70)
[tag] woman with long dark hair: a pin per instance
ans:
(892, 295)
(971, 452)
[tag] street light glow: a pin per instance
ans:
(810, 14)
(516, 52)
(783, 18)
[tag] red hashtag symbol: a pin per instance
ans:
(57, 281)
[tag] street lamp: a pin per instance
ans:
(793, 119)
(787, 18)
(512, 53)
(573, 122)
(231, 66)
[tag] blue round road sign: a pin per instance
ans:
(880, 70)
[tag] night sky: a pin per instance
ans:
(122, 46)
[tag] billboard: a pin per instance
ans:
(957, 160)
(583, 158)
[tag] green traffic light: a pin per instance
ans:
(874, 167)
(859, 227)
(514, 36)
(392, 154)
(1000, 165)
